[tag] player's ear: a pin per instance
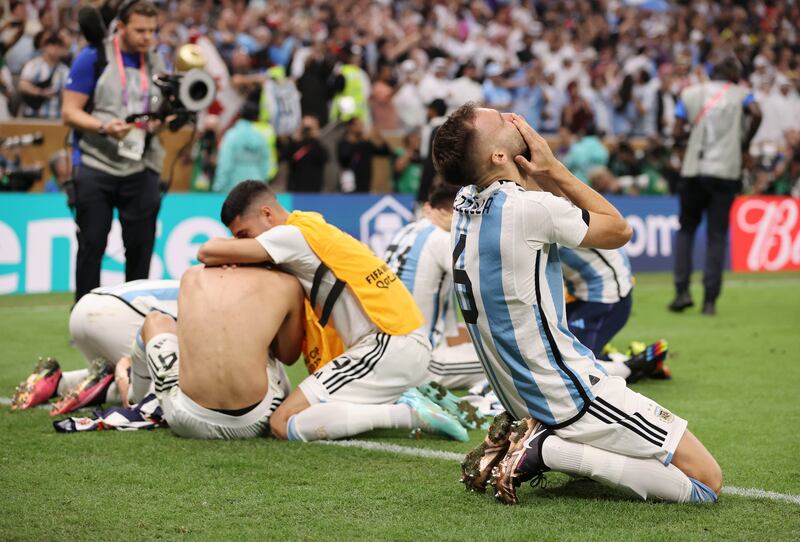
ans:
(499, 157)
(267, 214)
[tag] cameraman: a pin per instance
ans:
(306, 157)
(120, 163)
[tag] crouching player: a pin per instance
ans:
(103, 325)
(214, 372)
(352, 292)
(510, 217)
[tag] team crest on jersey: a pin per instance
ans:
(664, 415)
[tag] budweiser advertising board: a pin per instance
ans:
(765, 233)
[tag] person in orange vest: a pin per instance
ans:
(354, 297)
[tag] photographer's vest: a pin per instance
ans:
(353, 88)
(384, 298)
(715, 112)
(100, 151)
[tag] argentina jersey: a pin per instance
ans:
(508, 283)
(596, 275)
(146, 295)
(419, 255)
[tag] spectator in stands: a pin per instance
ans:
(586, 154)
(355, 153)
(313, 83)
(495, 93)
(529, 99)
(306, 157)
(553, 103)
(437, 110)
(18, 37)
(780, 108)
(407, 99)
(381, 101)
(407, 165)
(625, 108)
(42, 80)
(59, 171)
(600, 99)
(242, 153)
(665, 102)
(577, 115)
(435, 84)
(352, 85)
(644, 94)
(465, 87)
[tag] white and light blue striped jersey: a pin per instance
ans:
(420, 255)
(146, 295)
(508, 283)
(597, 275)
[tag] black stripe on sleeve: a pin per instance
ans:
(585, 216)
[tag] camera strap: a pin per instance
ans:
(143, 79)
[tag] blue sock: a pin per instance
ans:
(291, 431)
(701, 492)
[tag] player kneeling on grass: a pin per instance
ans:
(215, 371)
(385, 348)
(103, 324)
(510, 217)
(601, 286)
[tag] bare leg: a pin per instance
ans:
(692, 458)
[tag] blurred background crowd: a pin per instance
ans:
(340, 83)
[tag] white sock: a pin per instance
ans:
(70, 379)
(325, 421)
(140, 384)
(647, 478)
(112, 394)
(616, 368)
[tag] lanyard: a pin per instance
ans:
(124, 79)
(710, 104)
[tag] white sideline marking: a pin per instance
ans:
(452, 456)
(426, 453)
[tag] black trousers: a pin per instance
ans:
(137, 197)
(714, 197)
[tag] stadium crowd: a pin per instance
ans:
(600, 78)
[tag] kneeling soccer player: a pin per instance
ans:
(510, 217)
(103, 324)
(385, 348)
(601, 283)
(214, 371)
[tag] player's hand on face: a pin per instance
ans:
(542, 161)
(441, 218)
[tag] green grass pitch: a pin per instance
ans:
(736, 379)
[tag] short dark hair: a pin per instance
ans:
(438, 106)
(250, 111)
(442, 195)
(453, 147)
(136, 7)
(727, 69)
(52, 39)
(241, 198)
